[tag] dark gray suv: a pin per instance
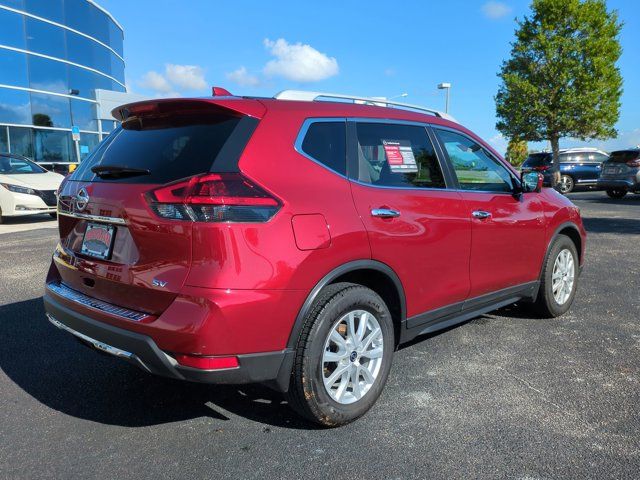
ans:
(621, 173)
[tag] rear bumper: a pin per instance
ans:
(625, 184)
(272, 368)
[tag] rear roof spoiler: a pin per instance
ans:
(241, 106)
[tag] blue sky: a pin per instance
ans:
(371, 48)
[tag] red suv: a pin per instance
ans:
(297, 241)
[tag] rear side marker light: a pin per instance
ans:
(214, 197)
(207, 363)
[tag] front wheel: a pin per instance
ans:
(343, 355)
(566, 184)
(616, 192)
(559, 279)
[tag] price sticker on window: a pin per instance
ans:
(400, 156)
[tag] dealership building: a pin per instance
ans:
(61, 72)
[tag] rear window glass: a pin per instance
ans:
(624, 156)
(325, 142)
(169, 147)
(537, 160)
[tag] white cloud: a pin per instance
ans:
(188, 77)
(242, 77)
(298, 62)
(174, 80)
(156, 82)
(499, 142)
(496, 10)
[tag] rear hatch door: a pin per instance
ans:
(113, 246)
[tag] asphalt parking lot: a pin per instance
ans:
(502, 396)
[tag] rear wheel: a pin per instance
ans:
(343, 355)
(566, 184)
(559, 279)
(616, 192)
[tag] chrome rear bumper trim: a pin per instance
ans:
(75, 296)
(96, 218)
(99, 345)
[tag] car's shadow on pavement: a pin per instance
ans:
(67, 376)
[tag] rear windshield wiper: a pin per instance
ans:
(116, 171)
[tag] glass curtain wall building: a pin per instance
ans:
(54, 55)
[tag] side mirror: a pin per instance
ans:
(531, 182)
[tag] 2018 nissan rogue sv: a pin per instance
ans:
(297, 241)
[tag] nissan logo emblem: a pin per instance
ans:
(82, 199)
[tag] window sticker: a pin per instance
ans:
(400, 156)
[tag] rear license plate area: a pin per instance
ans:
(98, 240)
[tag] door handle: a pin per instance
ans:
(481, 214)
(384, 213)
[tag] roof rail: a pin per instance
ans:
(307, 96)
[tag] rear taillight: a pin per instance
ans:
(214, 197)
(542, 168)
(634, 163)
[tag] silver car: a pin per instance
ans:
(621, 173)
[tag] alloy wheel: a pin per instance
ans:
(352, 356)
(563, 276)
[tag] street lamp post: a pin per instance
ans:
(445, 86)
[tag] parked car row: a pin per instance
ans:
(617, 173)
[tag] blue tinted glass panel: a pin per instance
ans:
(86, 52)
(19, 4)
(4, 139)
(21, 141)
(87, 143)
(14, 107)
(48, 75)
(52, 146)
(115, 38)
(83, 115)
(87, 81)
(108, 126)
(13, 68)
(45, 38)
(12, 31)
(117, 68)
(84, 17)
(49, 9)
(79, 49)
(76, 13)
(50, 111)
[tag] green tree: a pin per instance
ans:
(517, 151)
(562, 80)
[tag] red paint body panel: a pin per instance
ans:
(236, 288)
(508, 247)
(427, 245)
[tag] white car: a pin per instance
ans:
(26, 188)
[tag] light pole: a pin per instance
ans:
(402, 95)
(445, 86)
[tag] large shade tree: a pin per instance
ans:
(562, 79)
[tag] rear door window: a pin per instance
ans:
(396, 155)
(325, 142)
(171, 148)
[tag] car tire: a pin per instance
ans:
(566, 184)
(559, 280)
(616, 192)
(338, 311)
